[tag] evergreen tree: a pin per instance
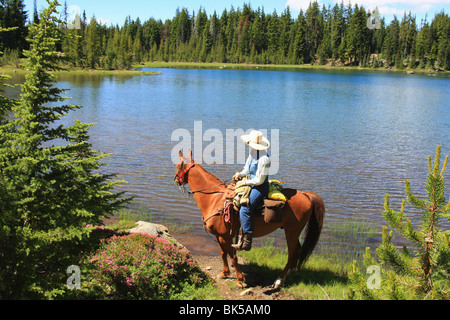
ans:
(285, 32)
(258, 33)
(244, 35)
(5, 103)
(273, 27)
(13, 14)
(35, 13)
(337, 29)
(300, 39)
(93, 44)
(419, 275)
(441, 27)
(357, 35)
(49, 187)
(314, 31)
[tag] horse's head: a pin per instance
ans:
(183, 167)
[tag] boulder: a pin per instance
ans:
(158, 230)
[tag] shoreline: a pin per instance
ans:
(281, 67)
(97, 72)
(224, 66)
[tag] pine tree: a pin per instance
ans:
(36, 13)
(441, 25)
(13, 14)
(50, 185)
(244, 36)
(300, 39)
(5, 103)
(93, 44)
(425, 273)
(357, 35)
(314, 31)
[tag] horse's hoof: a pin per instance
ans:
(224, 275)
(241, 285)
(278, 284)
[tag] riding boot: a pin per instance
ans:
(245, 243)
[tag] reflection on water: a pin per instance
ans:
(350, 137)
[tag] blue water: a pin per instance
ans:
(351, 137)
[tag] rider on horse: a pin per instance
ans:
(257, 169)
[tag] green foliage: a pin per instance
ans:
(50, 188)
(141, 266)
(336, 35)
(321, 278)
(5, 103)
(13, 15)
(424, 273)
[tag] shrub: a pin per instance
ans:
(419, 272)
(51, 186)
(140, 266)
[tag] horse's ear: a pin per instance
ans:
(190, 156)
(180, 154)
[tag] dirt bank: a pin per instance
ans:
(258, 288)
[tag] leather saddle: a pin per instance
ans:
(270, 209)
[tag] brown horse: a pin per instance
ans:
(301, 209)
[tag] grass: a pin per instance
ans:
(126, 219)
(78, 71)
(349, 239)
(321, 278)
(325, 274)
(218, 65)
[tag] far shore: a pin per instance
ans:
(251, 66)
(226, 66)
(131, 72)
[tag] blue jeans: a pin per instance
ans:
(256, 198)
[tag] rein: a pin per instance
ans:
(227, 211)
(179, 180)
(202, 190)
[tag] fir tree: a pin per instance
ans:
(93, 44)
(13, 14)
(50, 188)
(5, 103)
(423, 274)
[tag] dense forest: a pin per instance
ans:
(333, 35)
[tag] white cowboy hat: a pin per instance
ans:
(256, 140)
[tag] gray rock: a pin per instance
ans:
(158, 230)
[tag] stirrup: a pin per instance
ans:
(238, 245)
(245, 243)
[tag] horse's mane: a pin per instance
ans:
(210, 174)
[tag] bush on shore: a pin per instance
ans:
(141, 266)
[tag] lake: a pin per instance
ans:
(350, 137)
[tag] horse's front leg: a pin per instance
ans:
(226, 270)
(225, 244)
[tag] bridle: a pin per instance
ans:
(179, 180)
(179, 176)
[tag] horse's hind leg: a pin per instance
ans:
(294, 247)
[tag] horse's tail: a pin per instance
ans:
(314, 228)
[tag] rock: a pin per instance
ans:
(247, 292)
(158, 230)
(410, 72)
